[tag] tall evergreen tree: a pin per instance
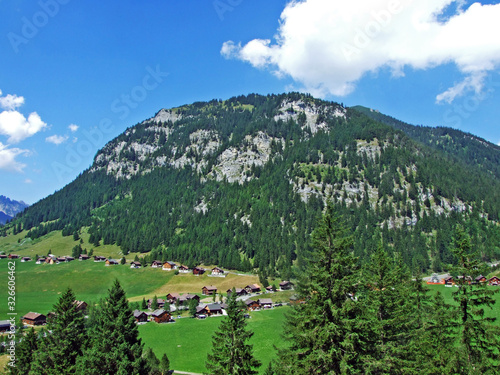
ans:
(231, 354)
(115, 347)
(25, 354)
(321, 331)
(478, 339)
(58, 350)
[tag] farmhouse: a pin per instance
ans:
(111, 262)
(251, 305)
(160, 316)
(169, 266)
(25, 259)
(81, 306)
(265, 303)
(161, 302)
(34, 319)
(208, 290)
(69, 259)
(213, 309)
(3, 256)
(286, 285)
(140, 316)
(135, 264)
(198, 271)
(83, 257)
(481, 279)
(13, 256)
(156, 264)
(99, 258)
(495, 280)
(183, 269)
(188, 297)
(51, 260)
(40, 260)
(216, 271)
(253, 288)
(172, 297)
(449, 280)
(239, 292)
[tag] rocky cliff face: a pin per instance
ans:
(10, 208)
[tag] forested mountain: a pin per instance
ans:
(9, 208)
(241, 182)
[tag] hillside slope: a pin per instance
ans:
(241, 182)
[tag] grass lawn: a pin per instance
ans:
(188, 341)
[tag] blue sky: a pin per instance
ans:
(74, 74)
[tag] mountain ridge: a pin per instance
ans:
(241, 182)
(9, 208)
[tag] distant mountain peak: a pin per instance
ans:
(10, 208)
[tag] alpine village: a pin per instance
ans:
(278, 234)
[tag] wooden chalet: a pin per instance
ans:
(481, 279)
(173, 297)
(3, 256)
(41, 260)
(286, 285)
(111, 262)
(198, 271)
(99, 258)
(265, 303)
(51, 260)
(140, 316)
(183, 269)
(169, 266)
(208, 290)
(185, 298)
(156, 264)
(34, 319)
(13, 256)
(239, 292)
(161, 302)
(25, 259)
(269, 288)
(83, 257)
(216, 271)
(449, 280)
(135, 265)
(69, 259)
(494, 281)
(213, 309)
(251, 304)
(253, 288)
(161, 316)
(62, 260)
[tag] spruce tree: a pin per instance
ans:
(478, 338)
(321, 331)
(164, 364)
(58, 350)
(114, 347)
(231, 355)
(25, 352)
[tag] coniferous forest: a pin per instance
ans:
(163, 187)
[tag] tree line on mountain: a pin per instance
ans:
(264, 224)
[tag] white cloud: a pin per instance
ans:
(328, 46)
(56, 139)
(73, 128)
(8, 160)
(10, 102)
(17, 127)
(28, 181)
(13, 123)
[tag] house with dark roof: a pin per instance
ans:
(253, 288)
(208, 290)
(135, 265)
(111, 262)
(4, 325)
(239, 292)
(140, 316)
(169, 266)
(197, 271)
(494, 281)
(286, 285)
(183, 269)
(83, 257)
(34, 319)
(216, 271)
(156, 264)
(265, 303)
(161, 316)
(25, 259)
(251, 304)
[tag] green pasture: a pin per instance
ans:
(38, 286)
(188, 341)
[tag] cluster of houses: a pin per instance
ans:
(493, 281)
(36, 319)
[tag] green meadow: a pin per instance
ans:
(188, 341)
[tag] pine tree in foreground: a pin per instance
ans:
(25, 352)
(478, 344)
(115, 347)
(322, 331)
(59, 350)
(231, 355)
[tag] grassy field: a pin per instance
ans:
(188, 341)
(56, 243)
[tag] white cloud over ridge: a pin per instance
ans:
(8, 160)
(329, 45)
